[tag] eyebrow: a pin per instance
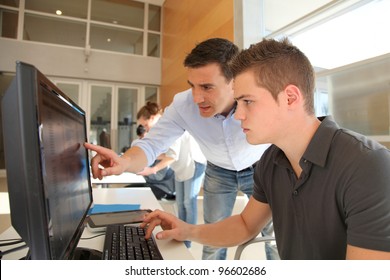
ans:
(202, 85)
(241, 97)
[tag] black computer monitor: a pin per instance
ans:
(47, 165)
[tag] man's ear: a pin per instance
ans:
(293, 94)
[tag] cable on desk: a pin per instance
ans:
(92, 237)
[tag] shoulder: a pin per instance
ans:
(342, 147)
(184, 97)
(361, 148)
(183, 104)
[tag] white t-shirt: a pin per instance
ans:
(185, 150)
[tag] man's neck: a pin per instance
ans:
(299, 140)
(229, 109)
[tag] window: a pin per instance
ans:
(127, 112)
(131, 27)
(68, 8)
(342, 30)
(8, 23)
(154, 45)
(126, 13)
(54, 30)
(154, 18)
(280, 13)
(116, 39)
(358, 33)
(101, 100)
(12, 3)
(347, 44)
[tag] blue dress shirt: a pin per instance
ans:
(220, 138)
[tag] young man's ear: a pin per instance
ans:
(293, 94)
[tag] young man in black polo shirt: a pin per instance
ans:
(327, 188)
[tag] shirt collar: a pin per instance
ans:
(232, 111)
(319, 146)
(318, 149)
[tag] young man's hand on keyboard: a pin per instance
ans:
(173, 228)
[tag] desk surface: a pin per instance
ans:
(170, 250)
(124, 178)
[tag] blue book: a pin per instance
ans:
(110, 208)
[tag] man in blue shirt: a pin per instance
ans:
(206, 111)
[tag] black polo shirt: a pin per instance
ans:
(342, 196)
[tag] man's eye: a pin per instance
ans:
(247, 102)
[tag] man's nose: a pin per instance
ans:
(238, 115)
(197, 95)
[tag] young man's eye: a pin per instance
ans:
(247, 102)
(207, 88)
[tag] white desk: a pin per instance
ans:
(170, 250)
(124, 178)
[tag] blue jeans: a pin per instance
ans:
(163, 182)
(220, 191)
(187, 194)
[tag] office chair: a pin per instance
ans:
(241, 247)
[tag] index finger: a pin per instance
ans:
(102, 156)
(96, 148)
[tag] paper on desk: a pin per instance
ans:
(109, 208)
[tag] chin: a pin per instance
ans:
(252, 141)
(249, 140)
(207, 115)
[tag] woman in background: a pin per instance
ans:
(159, 176)
(187, 161)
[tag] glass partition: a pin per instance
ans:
(118, 26)
(127, 113)
(72, 8)
(100, 129)
(116, 39)
(154, 18)
(154, 45)
(54, 30)
(128, 13)
(8, 23)
(12, 3)
(359, 97)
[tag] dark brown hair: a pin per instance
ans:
(215, 50)
(149, 110)
(276, 65)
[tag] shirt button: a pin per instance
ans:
(295, 192)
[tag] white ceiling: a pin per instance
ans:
(279, 13)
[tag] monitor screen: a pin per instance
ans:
(47, 165)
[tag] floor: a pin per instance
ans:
(252, 252)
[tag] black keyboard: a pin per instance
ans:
(125, 242)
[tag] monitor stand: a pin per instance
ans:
(81, 253)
